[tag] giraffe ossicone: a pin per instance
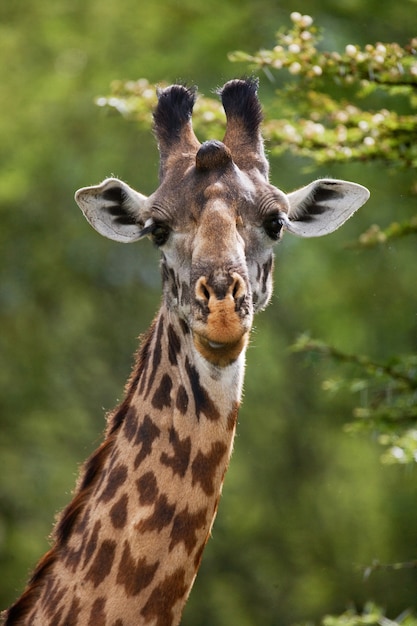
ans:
(127, 548)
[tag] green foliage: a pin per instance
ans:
(387, 393)
(136, 101)
(375, 235)
(322, 126)
(329, 124)
(372, 615)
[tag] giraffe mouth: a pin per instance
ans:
(215, 345)
(220, 353)
(222, 318)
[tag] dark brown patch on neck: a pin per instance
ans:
(115, 480)
(134, 575)
(103, 561)
(130, 423)
(97, 614)
(164, 597)
(162, 396)
(181, 402)
(174, 345)
(162, 516)
(118, 512)
(185, 527)
(157, 353)
(180, 459)
(147, 433)
(71, 618)
(147, 488)
(203, 403)
(184, 327)
(204, 466)
(92, 543)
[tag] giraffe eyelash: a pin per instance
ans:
(158, 231)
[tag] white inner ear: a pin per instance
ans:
(323, 206)
(114, 210)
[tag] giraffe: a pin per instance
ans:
(127, 548)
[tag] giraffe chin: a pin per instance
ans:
(220, 354)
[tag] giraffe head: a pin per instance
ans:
(216, 218)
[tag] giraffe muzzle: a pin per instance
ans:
(221, 332)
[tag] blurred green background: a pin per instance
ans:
(305, 507)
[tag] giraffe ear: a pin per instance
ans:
(114, 210)
(322, 206)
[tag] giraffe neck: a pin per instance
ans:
(129, 545)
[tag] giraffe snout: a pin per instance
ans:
(225, 316)
(232, 288)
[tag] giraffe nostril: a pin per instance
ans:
(233, 287)
(238, 287)
(205, 292)
(201, 290)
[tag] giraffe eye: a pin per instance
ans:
(160, 233)
(273, 225)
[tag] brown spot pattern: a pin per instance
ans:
(130, 423)
(102, 479)
(203, 402)
(103, 561)
(115, 480)
(185, 527)
(157, 352)
(144, 357)
(174, 345)
(97, 613)
(93, 473)
(73, 556)
(173, 283)
(164, 597)
(181, 402)
(118, 512)
(52, 596)
(161, 516)
(184, 327)
(146, 435)
(147, 488)
(180, 459)
(134, 575)
(55, 619)
(92, 543)
(162, 396)
(71, 618)
(204, 466)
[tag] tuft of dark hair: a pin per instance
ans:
(174, 109)
(240, 100)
